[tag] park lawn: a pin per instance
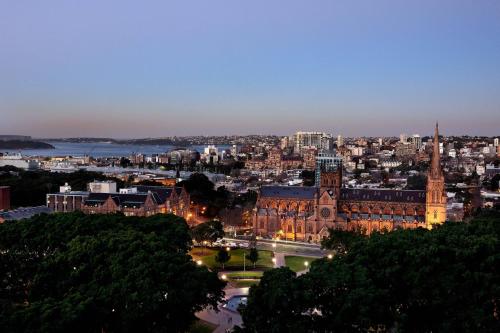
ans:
(245, 275)
(241, 279)
(296, 263)
(201, 326)
(244, 283)
(199, 253)
(207, 256)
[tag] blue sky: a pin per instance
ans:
(159, 68)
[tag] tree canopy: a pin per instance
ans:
(222, 257)
(201, 191)
(416, 182)
(443, 280)
(100, 273)
(29, 188)
(209, 231)
(253, 256)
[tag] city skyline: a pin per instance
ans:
(124, 70)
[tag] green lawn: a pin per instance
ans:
(201, 326)
(296, 263)
(207, 256)
(242, 279)
(244, 283)
(245, 275)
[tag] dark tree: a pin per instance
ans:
(202, 192)
(209, 231)
(308, 177)
(416, 182)
(443, 280)
(29, 188)
(100, 273)
(276, 304)
(222, 257)
(494, 183)
(253, 256)
(341, 241)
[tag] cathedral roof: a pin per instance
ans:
(296, 192)
(387, 195)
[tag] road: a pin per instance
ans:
(287, 247)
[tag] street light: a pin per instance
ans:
(228, 249)
(224, 277)
(330, 256)
(306, 263)
(199, 262)
(274, 260)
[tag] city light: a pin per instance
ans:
(330, 256)
(199, 262)
(223, 277)
(306, 263)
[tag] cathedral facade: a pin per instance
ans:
(307, 213)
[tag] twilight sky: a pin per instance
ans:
(118, 68)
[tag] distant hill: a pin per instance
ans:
(23, 144)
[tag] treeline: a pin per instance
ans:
(29, 188)
(101, 273)
(444, 280)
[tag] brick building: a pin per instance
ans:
(4, 197)
(135, 201)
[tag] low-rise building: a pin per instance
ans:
(18, 161)
(134, 201)
(4, 198)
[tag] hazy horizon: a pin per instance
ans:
(124, 69)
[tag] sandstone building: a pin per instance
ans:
(306, 213)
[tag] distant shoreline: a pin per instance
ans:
(23, 144)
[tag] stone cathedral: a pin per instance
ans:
(306, 213)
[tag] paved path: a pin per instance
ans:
(224, 319)
(280, 259)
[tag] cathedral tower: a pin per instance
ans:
(331, 180)
(435, 205)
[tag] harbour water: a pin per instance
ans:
(100, 149)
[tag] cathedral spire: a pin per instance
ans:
(435, 201)
(436, 158)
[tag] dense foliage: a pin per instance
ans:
(207, 232)
(100, 273)
(416, 182)
(444, 280)
(308, 177)
(222, 256)
(253, 256)
(202, 192)
(29, 188)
